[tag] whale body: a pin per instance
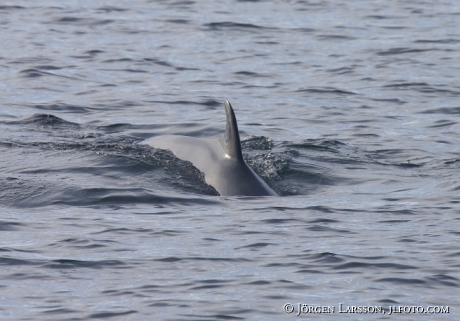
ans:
(220, 159)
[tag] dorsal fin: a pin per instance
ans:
(232, 143)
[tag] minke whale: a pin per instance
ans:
(220, 159)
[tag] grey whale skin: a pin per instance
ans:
(220, 159)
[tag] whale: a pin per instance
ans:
(220, 159)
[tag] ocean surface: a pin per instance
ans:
(350, 110)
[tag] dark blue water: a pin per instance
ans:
(348, 109)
